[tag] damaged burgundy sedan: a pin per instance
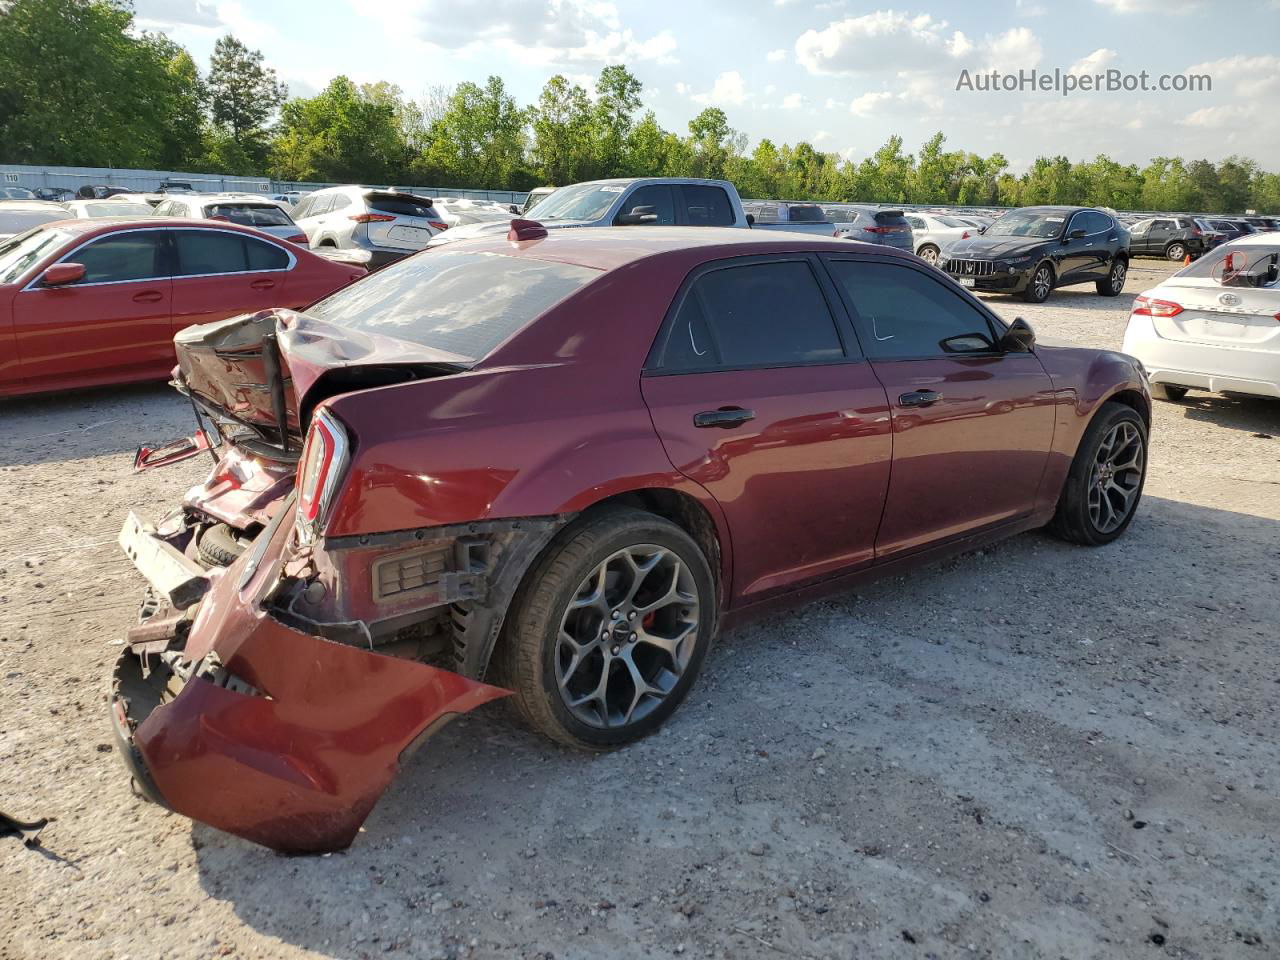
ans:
(553, 467)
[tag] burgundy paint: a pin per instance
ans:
(300, 768)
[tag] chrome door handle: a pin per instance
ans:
(725, 417)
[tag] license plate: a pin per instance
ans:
(416, 234)
(968, 282)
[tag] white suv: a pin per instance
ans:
(389, 225)
(246, 209)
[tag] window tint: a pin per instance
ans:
(754, 315)
(1161, 224)
(202, 252)
(477, 300)
(707, 206)
(906, 314)
(916, 223)
(302, 208)
(249, 214)
(1092, 222)
(1142, 226)
(135, 255)
(805, 213)
(657, 196)
(399, 204)
(320, 206)
(340, 200)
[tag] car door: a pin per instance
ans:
(1158, 236)
(759, 394)
(111, 326)
(1077, 256)
(703, 206)
(221, 273)
(1139, 238)
(971, 425)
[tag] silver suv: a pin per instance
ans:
(246, 209)
(389, 225)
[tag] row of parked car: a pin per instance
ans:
(1027, 252)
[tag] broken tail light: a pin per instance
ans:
(324, 461)
(1151, 307)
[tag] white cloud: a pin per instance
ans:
(776, 56)
(729, 90)
(1249, 77)
(892, 41)
(1029, 8)
(191, 13)
(867, 104)
(770, 89)
(792, 101)
(186, 19)
(538, 31)
(1152, 6)
(1095, 62)
(820, 136)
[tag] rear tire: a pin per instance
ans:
(1167, 391)
(1104, 485)
(577, 668)
(1176, 252)
(929, 254)
(1114, 282)
(1040, 285)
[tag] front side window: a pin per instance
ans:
(707, 206)
(657, 196)
(475, 301)
(907, 315)
(754, 315)
(134, 255)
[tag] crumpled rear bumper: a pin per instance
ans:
(278, 736)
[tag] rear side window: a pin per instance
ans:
(249, 214)
(759, 314)
(122, 256)
(398, 205)
(204, 252)
(707, 206)
(462, 303)
(904, 314)
(805, 213)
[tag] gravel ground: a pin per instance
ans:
(1031, 751)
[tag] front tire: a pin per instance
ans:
(1040, 285)
(1114, 282)
(1105, 481)
(609, 629)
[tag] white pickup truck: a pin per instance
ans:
(639, 201)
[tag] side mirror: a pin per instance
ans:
(1019, 338)
(1075, 234)
(983, 228)
(751, 219)
(61, 274)
(637, 215)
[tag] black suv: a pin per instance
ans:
(1173, 238)
(1032, 250)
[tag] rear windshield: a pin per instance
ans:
(117, 208)
(19, 221)
(1238, 265)
(462, 303)
(249, 214)
(399, 204)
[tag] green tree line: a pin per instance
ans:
(80, 85)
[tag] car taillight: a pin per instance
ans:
(1151, 307)
(965, 235)
(438, 224)
(878, 229)
(324, 460)
(298, 238)
(370, 217)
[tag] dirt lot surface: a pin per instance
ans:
(1031, 751)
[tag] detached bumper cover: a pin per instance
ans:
(290, 739)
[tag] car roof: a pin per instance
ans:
(1054, 208)
(6, 204)
(608, 248)
(85, 228)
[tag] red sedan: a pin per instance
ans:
(557, 478)
(91, 302)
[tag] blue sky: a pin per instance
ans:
(840, 73)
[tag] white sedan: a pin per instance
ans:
(931, 232)
(1214, 325)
